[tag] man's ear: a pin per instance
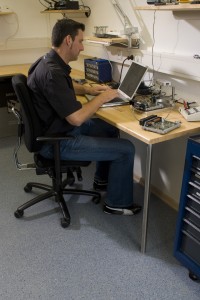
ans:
(69, 40)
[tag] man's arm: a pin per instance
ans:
(90, 108)
(86, 89)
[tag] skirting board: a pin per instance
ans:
(165, 198)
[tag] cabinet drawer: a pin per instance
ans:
(190, 246)
(193, 203)
(191, 229)
(196, 162)
(192, 216)
(195, 178)
(194, 190)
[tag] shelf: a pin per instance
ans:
(6, 13)
(105, 41)
(117, 41)
(178, 7)
(77, 12)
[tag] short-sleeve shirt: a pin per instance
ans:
(53, 93)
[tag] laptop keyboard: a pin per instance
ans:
(117, 100)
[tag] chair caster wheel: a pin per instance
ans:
(96, 200)
(64, 223)
(71, 182)
(27, 189)
(193, 276)
(18, 214)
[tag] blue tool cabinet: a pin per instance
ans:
(187, 240)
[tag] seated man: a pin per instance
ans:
(60, 112)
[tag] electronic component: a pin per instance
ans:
(143, 120)
(160, 125)
(142, 106)
(97, 69)
(159, 3)
(154, 107)
(191, 114)
(153, 121)
(62, 4)
(163, 82)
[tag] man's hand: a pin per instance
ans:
(87, 89)
(107, 95)
(96, 89)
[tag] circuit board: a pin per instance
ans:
(162, 127)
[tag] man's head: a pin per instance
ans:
(63, 28)
(68, 33)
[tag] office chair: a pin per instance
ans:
(30, 129)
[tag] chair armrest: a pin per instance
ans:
(53, 139)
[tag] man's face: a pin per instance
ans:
(77, 45)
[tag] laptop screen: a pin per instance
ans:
(132, 80)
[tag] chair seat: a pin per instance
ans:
(44, 165)
(42, 162)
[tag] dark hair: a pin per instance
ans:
(65, 27)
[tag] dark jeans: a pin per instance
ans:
(96, 140)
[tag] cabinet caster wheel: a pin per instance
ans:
(18, 214)
(96, 200)
(64, 223)
(193, 276)
(27, 189)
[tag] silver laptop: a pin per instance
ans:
(128, 86)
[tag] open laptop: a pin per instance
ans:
(128, 86)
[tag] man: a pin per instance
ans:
(61, 113)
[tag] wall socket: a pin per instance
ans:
(4, 9)
(119, 55)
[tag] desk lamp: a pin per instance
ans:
(129, 29)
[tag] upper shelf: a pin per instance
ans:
(77, 12)
(105, 41)
(116, 41)
(2, 13)
(178, 7)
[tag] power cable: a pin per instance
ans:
(127, 58)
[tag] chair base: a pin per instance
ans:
(66, 219)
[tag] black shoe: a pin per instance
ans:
(100, 185)
(128, 211)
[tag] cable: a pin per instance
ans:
(152, 49)
(12, 35)
(127, 58)
(106, 50)
(44, 4)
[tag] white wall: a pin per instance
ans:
(25, 35)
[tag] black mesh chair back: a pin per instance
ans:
(31, 121)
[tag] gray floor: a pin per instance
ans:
(97, 257)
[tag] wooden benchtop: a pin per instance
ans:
(123, 117)
(23, 68)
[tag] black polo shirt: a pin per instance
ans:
(53, 93)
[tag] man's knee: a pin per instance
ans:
(129, 146)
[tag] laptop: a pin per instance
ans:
(128, 86)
